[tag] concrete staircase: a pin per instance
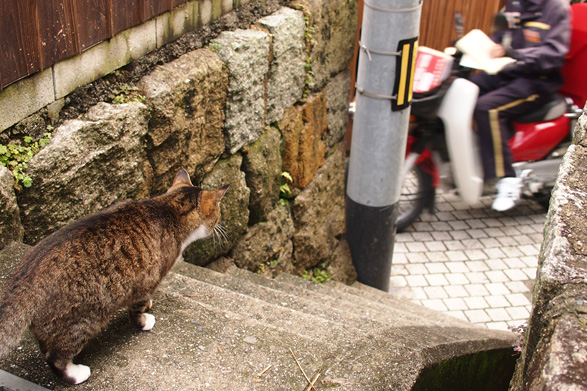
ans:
(241, 331)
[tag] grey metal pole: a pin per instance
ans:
(389, 35)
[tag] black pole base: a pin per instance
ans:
(370, 234)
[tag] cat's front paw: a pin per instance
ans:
(76, 373)
(149, 322)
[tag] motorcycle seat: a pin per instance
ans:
(555, 108)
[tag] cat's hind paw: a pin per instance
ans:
(149, 322)
(76, 373)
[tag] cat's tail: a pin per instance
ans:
(16, 312)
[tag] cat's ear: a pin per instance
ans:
(181, 179)
(210, 199)
(221, 192)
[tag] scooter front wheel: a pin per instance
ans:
(417, 193)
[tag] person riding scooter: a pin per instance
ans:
(536, 35)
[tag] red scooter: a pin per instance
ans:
(443, 150)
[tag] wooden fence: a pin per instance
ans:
(35, 34)
(437, 25)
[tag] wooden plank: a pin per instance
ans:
(19, 40)
(56, 32)
(125, 14)
(175, 3)
(91, 22)
(156, 7)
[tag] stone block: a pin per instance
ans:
(341, 264)
(287, 72)
(234, 209)
(188, 97)
(10, 226)
(104, 58)
(338, 93)
(25, 97)
(262, 167)
(318, 213)
(90, 163)
(246, 54)
(302, 129)
(333, 26)
(553, 353)
(266, 242)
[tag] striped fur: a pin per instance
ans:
(68, 285)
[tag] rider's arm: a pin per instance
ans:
(545, 43)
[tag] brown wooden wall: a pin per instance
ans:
(35, 34)
(437, 27)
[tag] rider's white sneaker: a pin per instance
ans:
(509, 191)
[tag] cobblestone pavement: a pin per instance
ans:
(471, 263)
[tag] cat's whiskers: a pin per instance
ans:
(220, 232)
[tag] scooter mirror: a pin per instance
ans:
(451, 50)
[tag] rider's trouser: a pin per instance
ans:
(499, 101)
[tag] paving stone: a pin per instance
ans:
(477, 316)
(497, 276)
(477, 290)
(497, 314)
(477, 278)
(516, 275)
(435, 304)
(474, 303)
(517, 287)
(436, 268)
(495, 264)
(435, 246)
(456, 255)
(471, 261)
(435, 292)
(436, 279)
(530, 272)
(417, 268)
(457, 279)
(497, 288)
(478, 266)
(497, 301)
(455, 304)
(517, 299)
(416, 281)
(456, 291)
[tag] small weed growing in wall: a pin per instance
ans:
(265, 266)
(318, 274)
(128, 94)
(16, 156)
(284, 189)
(214, 46)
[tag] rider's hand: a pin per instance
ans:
(497, 50)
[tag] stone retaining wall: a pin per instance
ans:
(554, 350)
(252, 104)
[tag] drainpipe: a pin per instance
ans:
(388, 44)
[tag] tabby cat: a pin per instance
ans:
(68, 285)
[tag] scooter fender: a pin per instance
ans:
(456, 111)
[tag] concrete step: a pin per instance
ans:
(271, 292)
(381, 306)
(243, 331)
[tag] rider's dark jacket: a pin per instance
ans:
(540, 39)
